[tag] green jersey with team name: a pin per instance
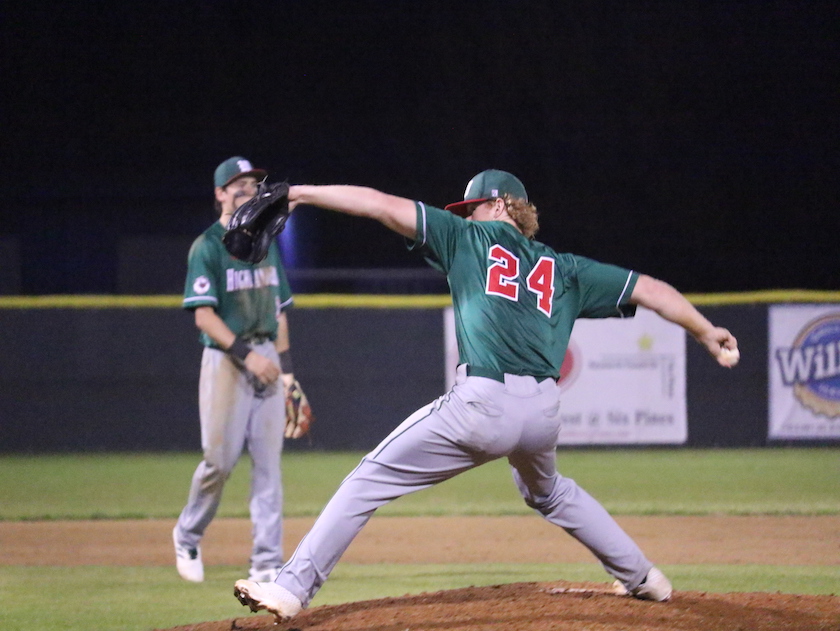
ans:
(249, 298)
(516, 300)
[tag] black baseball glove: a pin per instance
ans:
(256, 222)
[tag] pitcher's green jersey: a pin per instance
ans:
(516, 300)
(249, 298)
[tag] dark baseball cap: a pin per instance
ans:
(235, 168)
(489, 184)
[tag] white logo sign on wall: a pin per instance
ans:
(622, 381)
(804, 372)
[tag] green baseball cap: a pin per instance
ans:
(235, 168)
(489, 184)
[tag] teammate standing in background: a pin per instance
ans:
(239, 309)
(515, 301)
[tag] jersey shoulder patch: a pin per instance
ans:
(201, 285)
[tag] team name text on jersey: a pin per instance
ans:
(239, 279)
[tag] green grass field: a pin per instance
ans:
(640, 482)
(627, 482)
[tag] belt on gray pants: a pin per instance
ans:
(256, 338)
(498, 375)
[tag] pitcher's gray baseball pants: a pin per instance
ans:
(479, 420)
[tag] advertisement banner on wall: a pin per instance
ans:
(804, 372)
(622, 381)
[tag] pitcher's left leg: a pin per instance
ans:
(417, 455)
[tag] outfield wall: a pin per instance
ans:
(120, 373)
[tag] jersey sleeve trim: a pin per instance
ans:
(623, 306)
(287, 303)
(420, 240)
(200, 301)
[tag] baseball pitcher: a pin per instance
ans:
(516, 301)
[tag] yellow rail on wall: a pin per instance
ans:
(379, 301)
(310, 301)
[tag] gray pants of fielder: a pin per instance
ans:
(479, 420)
(236, 412)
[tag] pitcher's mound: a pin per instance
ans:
(556, 606)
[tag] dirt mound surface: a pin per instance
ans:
(553, 607)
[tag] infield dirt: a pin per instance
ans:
(791, 540)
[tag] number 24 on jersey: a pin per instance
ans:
(503, 278)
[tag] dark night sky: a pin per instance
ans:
(695, 140)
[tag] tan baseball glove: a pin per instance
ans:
(299, 415)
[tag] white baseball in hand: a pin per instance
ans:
(729, 356)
